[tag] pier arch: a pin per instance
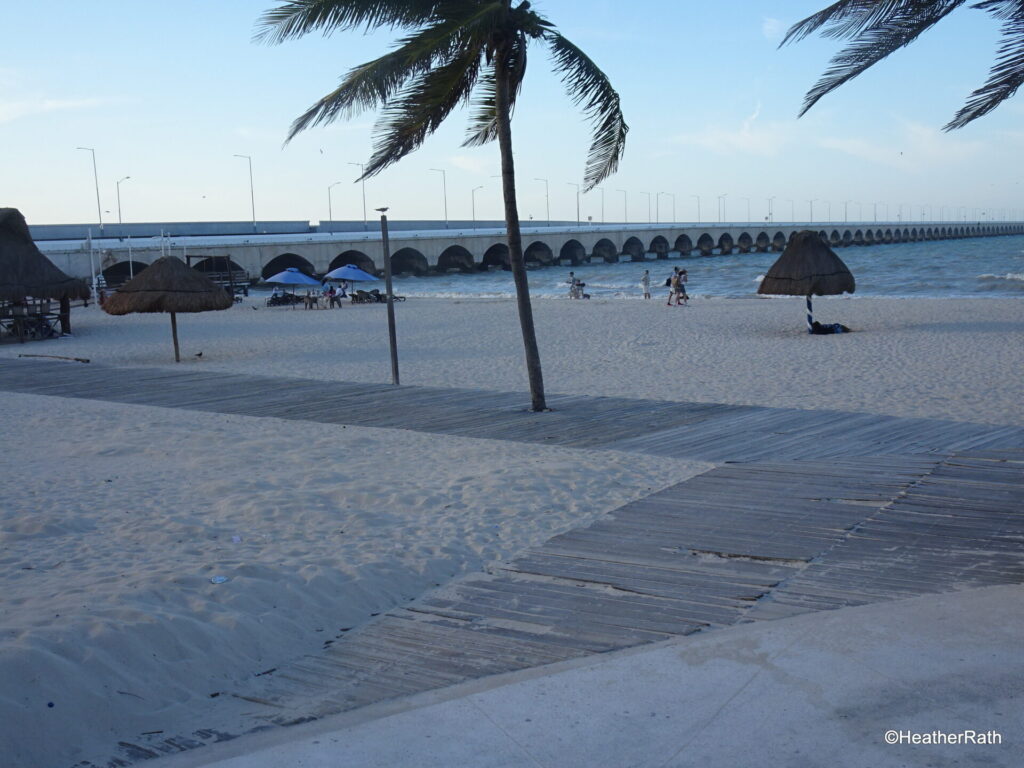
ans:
(705, 244)
(409, 260)
(286, 261)
(356, 259)
(744, 242)
(605, 249)
(634, 249)
(869, 237)
(835, 239)
(762, 242)
(213, 264)
(659, 247)
(887, 237)
(539, 252)
(574, 251)
(455, 257)
(495, 256)
(778, 242)
(725, 244)
(122, 271)
(684, 245)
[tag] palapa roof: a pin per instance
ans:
(25, 271)
(168, 285)
(807, 267)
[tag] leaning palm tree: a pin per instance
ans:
(880, 27)
(455, 52)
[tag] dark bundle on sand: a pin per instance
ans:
(25, 271)
(168, 285)
(807, 267)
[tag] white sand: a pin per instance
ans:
(115, 517)
(957, 359)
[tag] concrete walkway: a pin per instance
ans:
(813, 690)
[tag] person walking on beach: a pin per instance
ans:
(683, 279)
(645, 283)
(574, 286)
(673, 287)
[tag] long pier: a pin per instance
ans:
(435, 248)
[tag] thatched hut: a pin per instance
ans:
(168, 285)
(25, 271)
(807, 267)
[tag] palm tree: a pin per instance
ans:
(455, 52)
(879, 27)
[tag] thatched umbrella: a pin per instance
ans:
(25, 271)
(807, 267)
(168, 285)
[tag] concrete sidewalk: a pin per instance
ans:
(815, 690)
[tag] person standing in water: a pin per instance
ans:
(645, 283)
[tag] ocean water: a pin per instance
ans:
(971, 267)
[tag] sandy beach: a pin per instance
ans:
(118, 520)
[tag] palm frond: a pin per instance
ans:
(589, 87)
(375, 83)
(845, 18)
(483, 127)
(1007, 74)
(421, 108)
(296, 18)
(906, 21)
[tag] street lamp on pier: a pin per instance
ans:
(697, 198)
(252, 194)
(444, 192)
(330, 208)
(574, 184)
(362, 174)
(811, 203)
(547, 199)
(625, 206)
(721, 206)
(648, 205)
(472, 196)
(119, 201)
(96, 181)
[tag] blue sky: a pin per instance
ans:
(167, 93)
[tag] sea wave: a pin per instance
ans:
(1008, 276)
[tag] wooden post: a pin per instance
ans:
(392, 338)
(174, 333)
(65, 314)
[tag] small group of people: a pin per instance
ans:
(576, 287)
(676, 284)
(330, 293)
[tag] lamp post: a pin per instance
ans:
(547, 200)
(673, 196)
(625, 206)
(602, 204)
(361, 179)
(444, 192)
(252, 194)
(846, 211)
(697, 198)
(748, 207)
(811, 203)
(96, 181)
(574, 184)
(721, 207)
(330, 208)
(118, 185)
(771, 213)
(472, 198)
(648, 205)
(392, 336)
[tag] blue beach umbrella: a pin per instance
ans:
(349, 272)
(292, 276)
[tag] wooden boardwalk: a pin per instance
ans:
(704, 431)
(810, 510)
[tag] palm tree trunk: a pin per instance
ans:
(515, 238)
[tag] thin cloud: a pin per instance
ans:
(771, 28)
(476, 165)
(11, 110)
(750, 138)
(918, 147)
